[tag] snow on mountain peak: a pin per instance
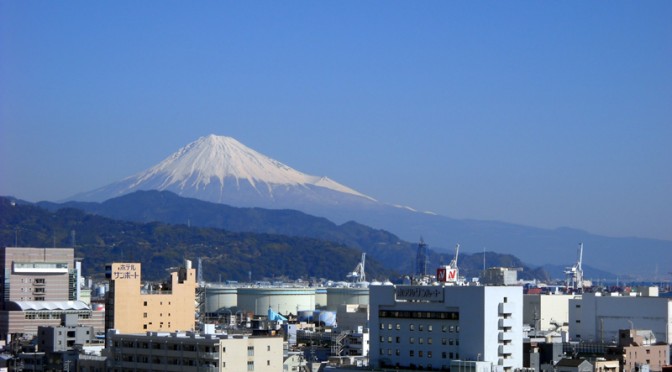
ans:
(216, 158)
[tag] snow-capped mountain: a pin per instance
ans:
(222, 170)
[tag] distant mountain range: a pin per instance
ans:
(222, 170)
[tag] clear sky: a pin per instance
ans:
(546, 114)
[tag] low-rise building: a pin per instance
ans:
(189, 351)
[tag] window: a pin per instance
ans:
(382, 326)
(411, 327)
(429, 354)
(389, 326)
(144, 303)
(250, 366)
(398, 339)
(144, 315)
(411, 353)
(429, 328)
(411, 340)
(421, 340)
(398, 326)
(420, 353)
(268, 347)
(421, 327)
(250, 351)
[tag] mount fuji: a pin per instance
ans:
(220, 169)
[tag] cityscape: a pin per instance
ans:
(335, 186)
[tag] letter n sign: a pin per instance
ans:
(441, 274)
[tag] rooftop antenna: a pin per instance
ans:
(483, 258)
(421, 259)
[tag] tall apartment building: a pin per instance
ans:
(180, 351)
(40, 286)
(129, 309)
(433, 327)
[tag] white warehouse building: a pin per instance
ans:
(429, 326)
(597, 318)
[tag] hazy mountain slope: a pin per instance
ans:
(164, 206)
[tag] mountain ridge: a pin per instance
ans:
(536, 246)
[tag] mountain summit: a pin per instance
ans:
(220, 169)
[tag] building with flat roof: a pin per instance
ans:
(38, 274)
(431, 327)
(545, 312)
(189, 351)
(40, 286)
(597, 318)
(129, 309)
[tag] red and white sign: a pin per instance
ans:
(446, 274)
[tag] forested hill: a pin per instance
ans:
(100, 240)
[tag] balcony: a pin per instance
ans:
(505, 309)
(505, 349)
(505, 336)
(506, 323)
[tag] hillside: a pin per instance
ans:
(99, 240)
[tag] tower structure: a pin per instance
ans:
(421, 259)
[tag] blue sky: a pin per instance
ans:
(545, 114)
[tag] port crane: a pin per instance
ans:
(574, 274)
(359, 275)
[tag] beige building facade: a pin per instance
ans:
(129, 309)
(189, 351)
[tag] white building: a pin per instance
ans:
(597, 318)
(546, 312)
(430, 326)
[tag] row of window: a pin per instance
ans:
(421, 327)
(421, 340)
(421, 353)
(52, 315)
(444, 315)
(176, 361)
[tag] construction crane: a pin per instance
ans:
(574, 274)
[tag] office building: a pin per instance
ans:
(40, 286)
(431, 327)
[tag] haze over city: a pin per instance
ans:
(548, 115)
